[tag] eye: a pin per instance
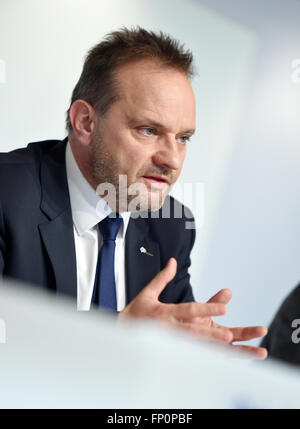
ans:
(184, 139)
(147, 131)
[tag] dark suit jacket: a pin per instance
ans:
(36, 229)
(283, 338)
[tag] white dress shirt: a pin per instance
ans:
(88, 209)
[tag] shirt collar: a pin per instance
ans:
(88, 208)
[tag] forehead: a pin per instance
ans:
(147, 87)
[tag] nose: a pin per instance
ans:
(170, 153)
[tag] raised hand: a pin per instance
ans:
(194, 317)
(147, 305)
(237, 333)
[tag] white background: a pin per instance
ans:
(247, 146)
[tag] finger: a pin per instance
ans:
(248, 333)
(259, 353)
(189, 310)
(161, 280)
(204, 321)
(223, 296)
(207, 333)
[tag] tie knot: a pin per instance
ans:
(109, 227)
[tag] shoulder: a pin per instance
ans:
(27, 155)
(20, 170)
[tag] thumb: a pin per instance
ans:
(161, 279)
(223, 296)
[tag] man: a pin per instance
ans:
(131, 115)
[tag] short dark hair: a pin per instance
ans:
(97, 84)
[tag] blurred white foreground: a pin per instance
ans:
(56, 357)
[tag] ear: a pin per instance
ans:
(82, 117)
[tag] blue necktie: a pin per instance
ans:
(104, 293)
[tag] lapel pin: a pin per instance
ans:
(143, 250)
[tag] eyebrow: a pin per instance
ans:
(152, 123)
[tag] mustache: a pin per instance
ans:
(162, 171)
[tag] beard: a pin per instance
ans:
(120, 190)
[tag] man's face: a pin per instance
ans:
(144, 134)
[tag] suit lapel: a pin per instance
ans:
(140, 267)
(57, 232)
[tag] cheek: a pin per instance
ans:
(130, 155)
(130, 161)
(137, 159)
(119, 146)
(133, 154)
